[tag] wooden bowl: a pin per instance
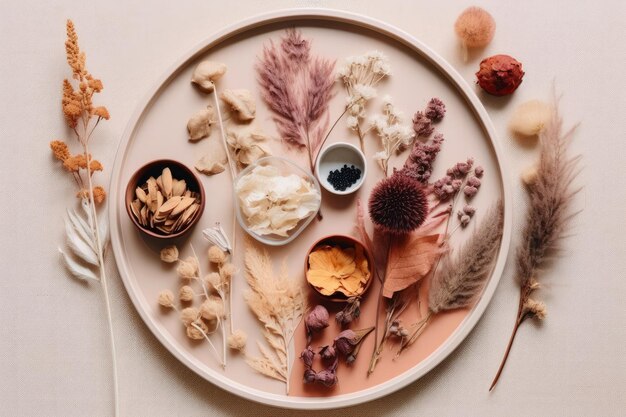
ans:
(343, 241)
(179, 172)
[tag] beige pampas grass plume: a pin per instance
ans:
(475, 28)
(530, 118)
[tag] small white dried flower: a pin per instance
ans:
(530, 118)
(364, 92)
(188, 269)
(169, 254)
(352, 122)
(216, 255)
(166, 298)
(189, 315)
(186, 293)
(237, 340)
(206, 73)
(241, 102)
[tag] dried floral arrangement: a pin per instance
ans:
(86, 231)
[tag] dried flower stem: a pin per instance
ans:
(547, 219)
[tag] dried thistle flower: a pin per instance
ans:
(398, 205)
(216, 255)
(530, 118)
(549, 213)
(237, 340)
(169, 254)
(185, 293)
(166, 299)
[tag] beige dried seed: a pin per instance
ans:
(182, 206)
(166, 178)
(178, 187)
(141, 194)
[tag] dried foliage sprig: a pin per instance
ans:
(278, 302)
(86, 235)
(550, 198)
(297, 86)
(463, 276)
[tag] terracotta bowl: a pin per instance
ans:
(154, 169)
(343, 241)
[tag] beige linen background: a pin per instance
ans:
(54, 358)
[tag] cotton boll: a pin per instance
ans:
(530, 118)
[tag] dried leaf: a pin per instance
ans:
(77, 270)
(410, 260)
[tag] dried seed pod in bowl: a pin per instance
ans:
(500, 75)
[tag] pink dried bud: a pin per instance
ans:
(422, 125)
(317, 319)
(469, 210)
(474, 182)
(348, 341)
(456, 185)
(470, 191)
(500, 75)
(309, 376)
(479, 171)
(435, 109)
(463, 168)
(307, 356)
(326, 377)
(465, 219)
(328, 353)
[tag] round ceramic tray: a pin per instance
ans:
(157, 130)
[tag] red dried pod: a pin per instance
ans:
(500, 75)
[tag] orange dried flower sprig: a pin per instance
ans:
(86, 236)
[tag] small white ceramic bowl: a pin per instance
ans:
(334, 157)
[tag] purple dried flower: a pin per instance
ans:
(316, 320)
(309, 376)
(349, 342)
(422, 125)
(327, 377)
(469, 210)
(328, 353)
(307, 356)
(419, 164)
(470, 191)
(474, 182)
(435, 109)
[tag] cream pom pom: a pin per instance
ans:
(216, 255)
(186, 293)
(166, 298)
(530, 118)
(237, 340)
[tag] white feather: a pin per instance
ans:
(79, 271)
(78, 246)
